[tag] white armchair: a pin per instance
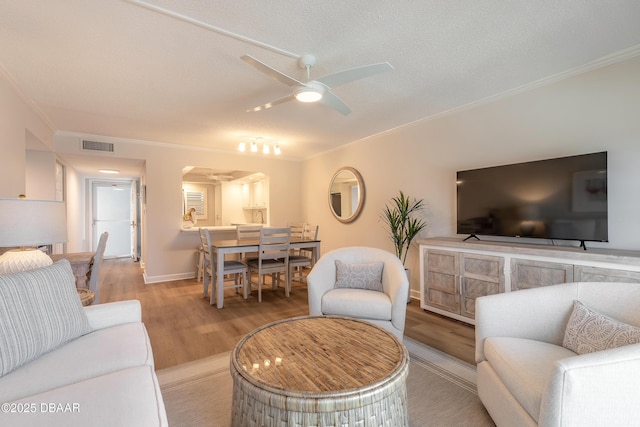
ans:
(386, 309)
(527, 378)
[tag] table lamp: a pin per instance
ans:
(27, 224)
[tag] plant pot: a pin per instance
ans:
(409, 279)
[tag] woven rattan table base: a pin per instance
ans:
(319, 371)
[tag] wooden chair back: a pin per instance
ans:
(311, 231)
(247, 232)
(274, 244)
(297, 230)
(96, 270)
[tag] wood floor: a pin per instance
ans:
(183, 326)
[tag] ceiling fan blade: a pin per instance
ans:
(271, 104)
(271, 72)
(347, 76)
(332, 101)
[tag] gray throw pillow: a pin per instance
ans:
(359, 276)
(589, 331)
(39, 311)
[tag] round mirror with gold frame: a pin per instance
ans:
(346, 194)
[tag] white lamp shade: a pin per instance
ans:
(25, 222)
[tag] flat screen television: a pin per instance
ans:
(563, 198)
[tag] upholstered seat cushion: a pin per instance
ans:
(98, 353)
(254, 263)
(298, 259)
(357, 303)
(233, 265)
(524, 367)
(128, 397)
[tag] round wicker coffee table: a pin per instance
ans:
(319, 371)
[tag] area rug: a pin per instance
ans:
(441, 391)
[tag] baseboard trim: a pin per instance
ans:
(167, 278)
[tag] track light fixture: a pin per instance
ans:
(255, 144)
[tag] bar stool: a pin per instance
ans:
(200, 264)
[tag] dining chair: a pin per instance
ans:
(311, 233)
(96, 270)
(248, 232)
(297, 232)
(200, 263)
(273, 259)
(233, 269)
(244, 232)
(297, 229)
(304, 258)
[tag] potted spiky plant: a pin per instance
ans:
(400, 217)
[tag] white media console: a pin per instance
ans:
(453, 272)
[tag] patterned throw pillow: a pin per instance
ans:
(359, 276)
(588, 331)
(39, 311)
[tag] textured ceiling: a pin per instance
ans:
(121, 68)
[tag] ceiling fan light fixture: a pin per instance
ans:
(254, 147)
(276, 150)
(242, 147)
(308, 95)
(265, 148)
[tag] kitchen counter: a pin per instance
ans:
(219, 227)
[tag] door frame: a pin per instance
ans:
(133, 221)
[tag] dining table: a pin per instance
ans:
(220, 248)
(81, 263)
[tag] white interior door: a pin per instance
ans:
(112, 212)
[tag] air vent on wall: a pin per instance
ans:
(97, 146)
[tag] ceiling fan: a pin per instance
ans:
(218, 176)
(318, 89)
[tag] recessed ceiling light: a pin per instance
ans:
(112, 171)
(309, 95)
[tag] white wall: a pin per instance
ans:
(75, 199)
(170, 252)
(231, 196)
(19, 124)
(591, 112)
(40, 167)
(594, 111)
(27, 163)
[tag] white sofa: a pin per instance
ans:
(102, 378)
(527, 378)
(387, 309)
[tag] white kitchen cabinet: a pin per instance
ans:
(246, 195)
(255, 195)
(259, 199)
